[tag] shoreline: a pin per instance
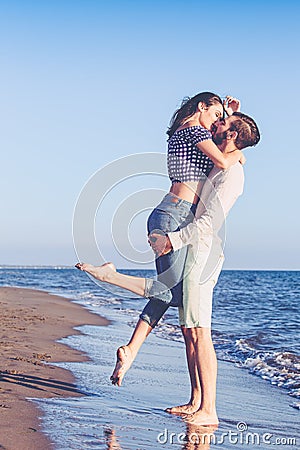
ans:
(32, 322)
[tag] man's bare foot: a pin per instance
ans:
(201, 417)
(102, 273)
(124, 361)
(189, 408)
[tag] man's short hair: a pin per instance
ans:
(248, 132)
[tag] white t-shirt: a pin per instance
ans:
(219, 193)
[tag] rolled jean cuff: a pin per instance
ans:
(158, 290)
(153, 312)
(147, 319)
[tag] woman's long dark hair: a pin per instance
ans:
(189, 107)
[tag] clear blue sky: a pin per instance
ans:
(86, 82)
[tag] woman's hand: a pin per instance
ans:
(231, 105)
(161, 245)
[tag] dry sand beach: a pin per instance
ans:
(31, 322)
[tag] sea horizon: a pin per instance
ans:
(66, 266)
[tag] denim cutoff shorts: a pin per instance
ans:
(171, 214)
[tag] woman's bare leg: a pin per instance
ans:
(127, 353)
(108, 274)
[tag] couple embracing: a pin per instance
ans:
(205, 166)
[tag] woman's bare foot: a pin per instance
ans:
(202, 417)
(124, 361)
(188, 408)
(102, 273)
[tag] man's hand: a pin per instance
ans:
(231, 105)
(161, 245)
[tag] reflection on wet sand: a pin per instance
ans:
(111, 439)
(199, 437)
(196, 437)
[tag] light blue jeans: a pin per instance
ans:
(171, 214)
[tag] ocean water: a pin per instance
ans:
(255, 327)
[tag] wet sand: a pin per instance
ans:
(31, 323)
